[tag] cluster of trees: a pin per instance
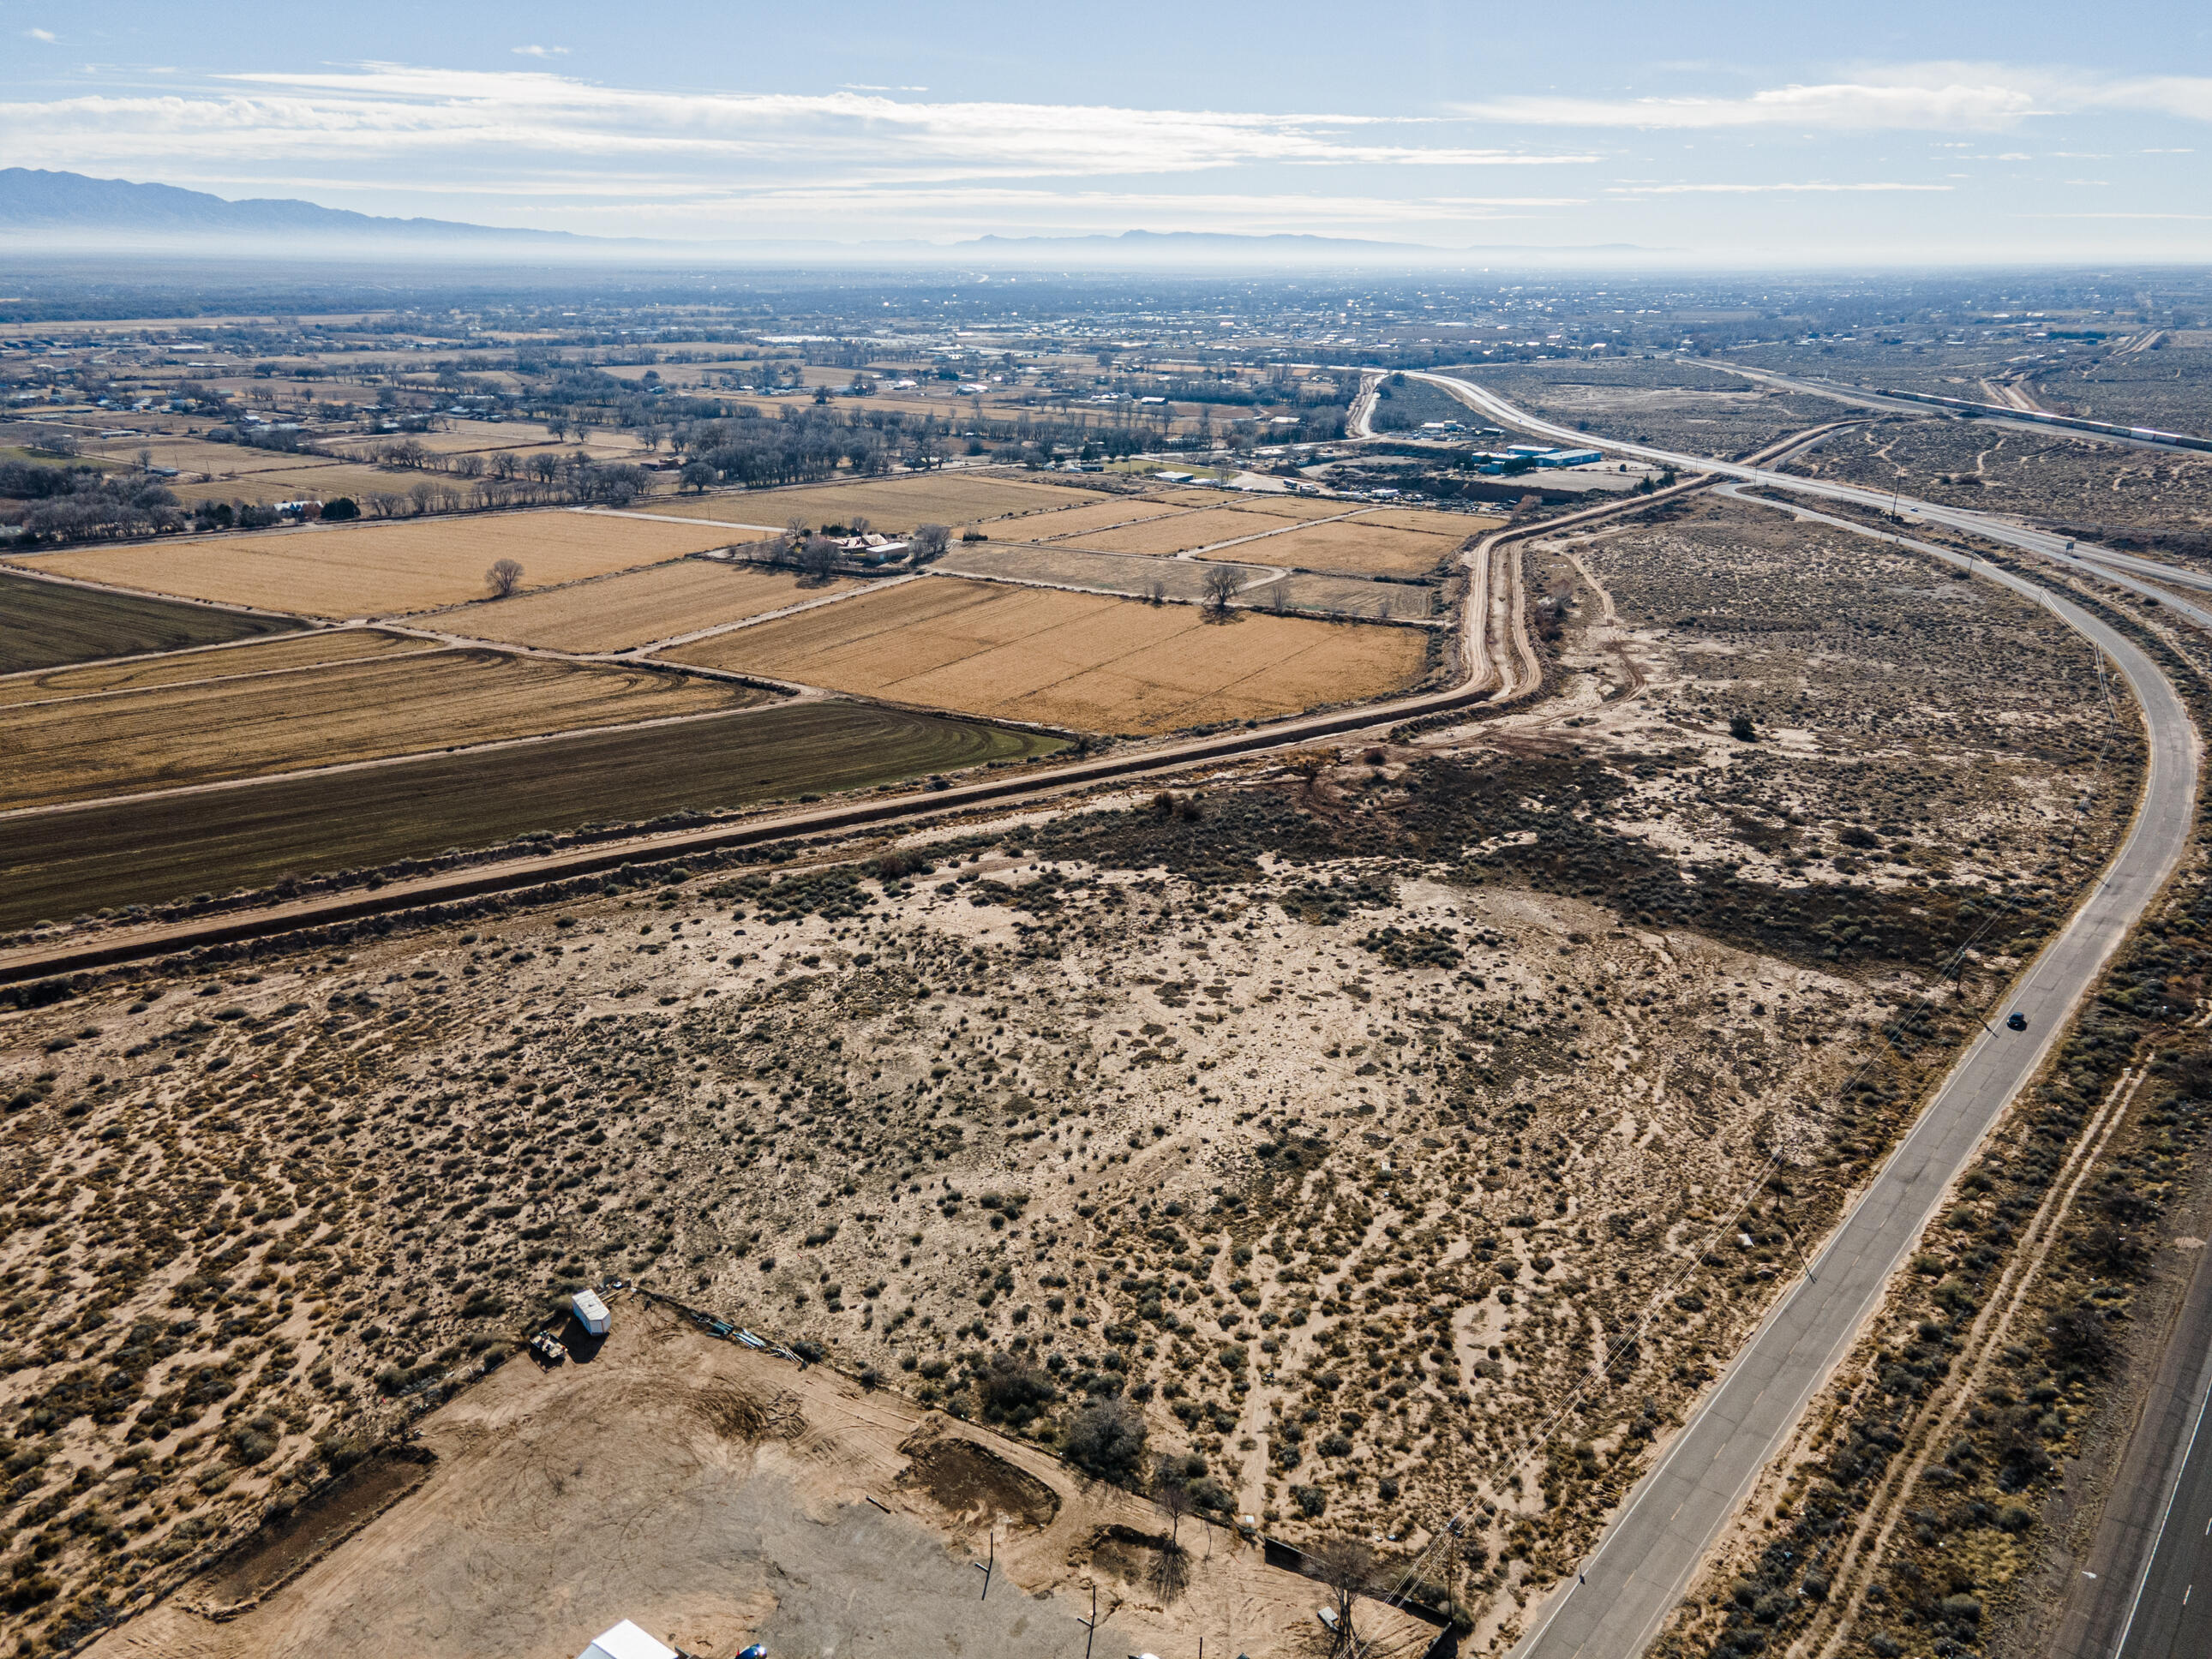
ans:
(83, 504)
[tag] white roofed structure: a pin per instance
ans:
(626, 1641)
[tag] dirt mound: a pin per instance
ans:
(283, 1547)
(742, 1415)
(965, 1479)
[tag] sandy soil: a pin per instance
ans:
(719, 1497)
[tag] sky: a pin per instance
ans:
(1879, 133)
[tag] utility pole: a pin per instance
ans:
(1090, 1624)
(987, 1570)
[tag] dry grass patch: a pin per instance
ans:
(1074, 659)
(890, 504)
(190, 455)
(1180, 534)
(1364, 546)
(614, 613)
(279, 654)
(322, 483)
(1100, 516)
(1459, 525)
(388, 568)
(321, 716)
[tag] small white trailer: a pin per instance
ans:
(592, 1313)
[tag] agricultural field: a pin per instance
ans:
(1099, 515)
(1355, 545)
(1314, 1134)
(191, 455)
(619, 612)
(1207, 527)
(163, 848)
(320, 482)
(2158, 496)
(387, 569)
(190, 731)
(1070, 659)
(45, 624)
(1137, 577)
(271, 654)
(893, 505)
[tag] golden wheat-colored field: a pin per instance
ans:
(387, 569)
(1070, 660)
(1080, 520)
(1207, 527)
(614, 613)
(890, 505)
(1361, 547)
(398, 704)
(323, 481)
(191, 454)
(1459, 525)
(281, 654)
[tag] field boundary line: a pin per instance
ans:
(640, 652)
(671, 518)
(16, 813)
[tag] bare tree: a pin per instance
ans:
(1346, 1566)
(503, 578)
(929, 541)
(1156, 591)
(819, 558)
(1221, 585)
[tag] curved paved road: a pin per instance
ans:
(1647, 1557)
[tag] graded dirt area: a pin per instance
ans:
(617, 613)
(99, 743)
(387, 569)
(718, 1498)
(1082, 660)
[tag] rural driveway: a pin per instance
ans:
(1645, 1562)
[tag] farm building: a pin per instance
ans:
(592, 1313)
(626, 1641)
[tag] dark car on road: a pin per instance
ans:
(2015, 1022)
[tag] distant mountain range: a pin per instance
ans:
(70, 212)
(70, 206)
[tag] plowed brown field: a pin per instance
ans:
(187, 734)
(615, 613)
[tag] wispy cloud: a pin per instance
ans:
(392, 111)
(44, 35)
(1958, 97)
(1759, 190)
(539, 52)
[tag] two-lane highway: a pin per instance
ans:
(1646, 1559)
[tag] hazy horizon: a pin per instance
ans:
(1728, 137)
